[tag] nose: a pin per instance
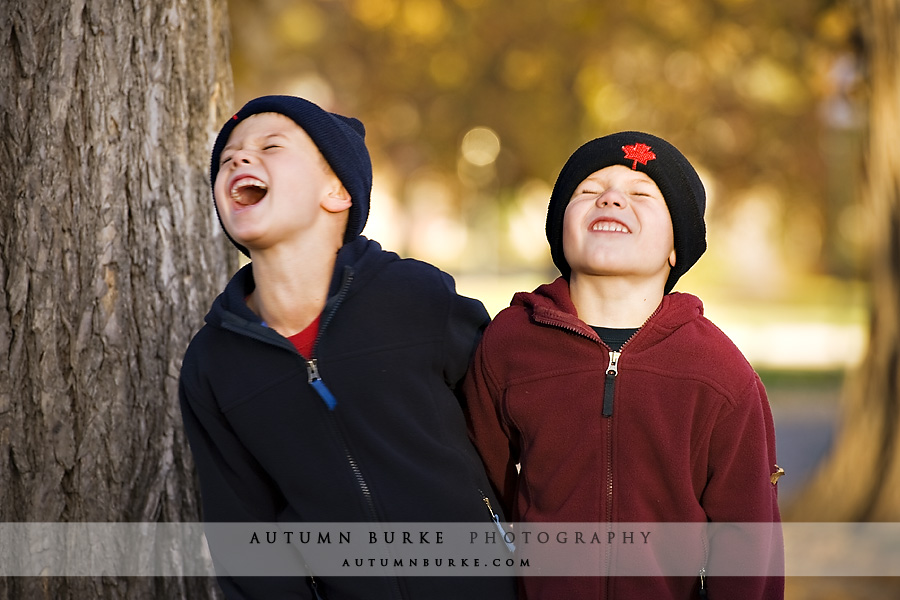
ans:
(242, 157)
(612, 197)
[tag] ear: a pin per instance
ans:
(338, 199)
(672, 258)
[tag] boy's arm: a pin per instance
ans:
(466, 325)
(740, 491)
(489, 431)
(234, 489)
(466, 321)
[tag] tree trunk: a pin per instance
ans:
(861, 479)
(110, 253)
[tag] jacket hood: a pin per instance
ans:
(551, 304)
(361, 257)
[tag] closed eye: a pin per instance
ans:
(643, 188)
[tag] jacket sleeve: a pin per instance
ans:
(489, 432)
(741, 502)
(465, 323)
(234, 489)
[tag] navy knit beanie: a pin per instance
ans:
(661, 161)
(340, 139)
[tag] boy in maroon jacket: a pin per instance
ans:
(617, 399)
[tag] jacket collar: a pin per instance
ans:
(361, 255)
(551, 304)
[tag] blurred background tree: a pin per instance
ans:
(473, 106)
(861, 481)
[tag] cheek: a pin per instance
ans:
(665, 236)
(573, 239)
(668, 233)
(571, 220)
(569, 236)
(219, 195)
(222, 206)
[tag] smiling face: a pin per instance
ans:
(273, 183)
(617, 224)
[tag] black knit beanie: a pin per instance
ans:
(670, 170)
(340, 139)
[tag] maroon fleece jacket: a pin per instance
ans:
(690, 438)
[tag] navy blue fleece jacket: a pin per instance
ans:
(395, 340)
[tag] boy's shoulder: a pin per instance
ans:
(515, 327)
(202, 352)
(416, 272)
(408, 280)
(370, 260)
(407, 289)
(705, 338)
(700, 349)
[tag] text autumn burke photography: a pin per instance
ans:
(426, 538)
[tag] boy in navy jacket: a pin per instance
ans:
(322, 387)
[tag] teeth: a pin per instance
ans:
(244, 183)
(610, 226)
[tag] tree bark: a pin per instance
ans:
(110, 253)
(861, 479)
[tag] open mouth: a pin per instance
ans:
(611, 226)
(248, 191)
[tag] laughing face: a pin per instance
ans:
(273, 182)
(617, 224)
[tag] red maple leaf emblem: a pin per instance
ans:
(639, 153)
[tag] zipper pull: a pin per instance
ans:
(496, 519)
(703, 593)
(315, 588)
(318, 385)
(610, 387)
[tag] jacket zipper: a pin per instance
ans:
(312, 364)
(609, 387)
(612, 371)
(315, 380)
(496, 520)
(703, 590)
(315, 588)
(313, 377)
(608, 395)
(318, 385)
(609, 497)
(312, 370)
(609, 391)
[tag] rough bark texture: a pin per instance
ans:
(110, 253)
(861, 479)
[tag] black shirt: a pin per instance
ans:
(615, 338)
